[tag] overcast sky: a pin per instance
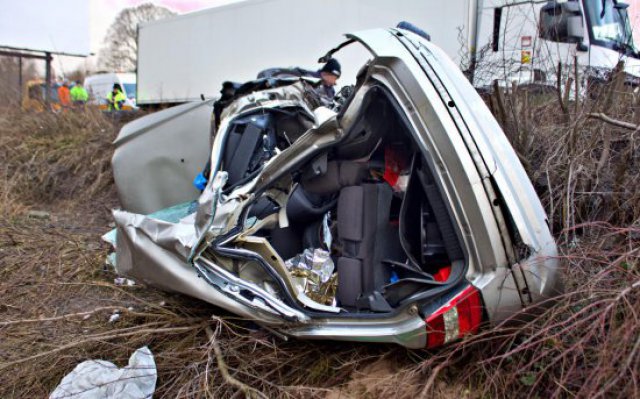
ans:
(73, 26)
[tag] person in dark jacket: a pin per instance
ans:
(329, 73)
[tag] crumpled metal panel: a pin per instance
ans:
(157, 156)
(155, 252)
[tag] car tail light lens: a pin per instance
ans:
(462, 315)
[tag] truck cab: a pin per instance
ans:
(525, 42)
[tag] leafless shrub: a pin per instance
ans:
(120, 51)
(581, 154)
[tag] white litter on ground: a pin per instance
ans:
(114, 317)
(123, 281)
(99, 379)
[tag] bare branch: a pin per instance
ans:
(612, 121)
(120, 51)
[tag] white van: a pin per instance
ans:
(98, 86)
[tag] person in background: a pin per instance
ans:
(79, 95)
(329, 73)
(116, 98)
(64, 97)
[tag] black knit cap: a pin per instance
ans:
(332, 66)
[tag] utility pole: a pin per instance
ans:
(47, 92)
(20, 78)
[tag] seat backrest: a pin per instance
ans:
(363, 226)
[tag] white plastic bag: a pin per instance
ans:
(99, 379)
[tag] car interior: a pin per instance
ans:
(370, 204)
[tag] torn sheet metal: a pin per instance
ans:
(156, 252)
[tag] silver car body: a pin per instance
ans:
(157, 155)
(510, 255)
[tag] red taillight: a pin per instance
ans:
(460, 316)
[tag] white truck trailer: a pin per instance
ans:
(185, 57)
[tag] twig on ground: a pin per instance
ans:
(222, 366)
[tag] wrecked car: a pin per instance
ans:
(401, 214)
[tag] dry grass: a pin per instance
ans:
(57, 297)
(49, 158)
